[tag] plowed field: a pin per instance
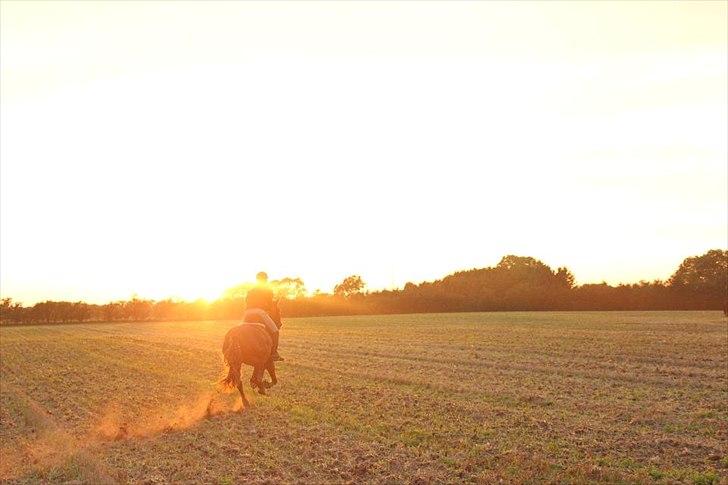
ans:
(540, 397)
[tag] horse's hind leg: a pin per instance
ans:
(271, 368)
(256, 380)
(246, 404)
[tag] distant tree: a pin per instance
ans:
(289, 288)
(515, 283)
(44, 312)
(529, 275)
(238, 292)
(517, 262)
(349, 286)
(11, 312)
(165, 310)
(137, 309)
(80, 311)
(227, 308)
(708, 272)
(565, 277)
(113, 311)
(409, 287)
(6, 305)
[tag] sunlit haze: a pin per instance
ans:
(174, 149)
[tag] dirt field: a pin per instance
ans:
(539, 397)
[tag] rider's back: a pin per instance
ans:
(260, 297)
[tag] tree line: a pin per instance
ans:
(516, 283)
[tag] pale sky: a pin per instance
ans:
(177, 148)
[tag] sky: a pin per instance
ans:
(174, 149)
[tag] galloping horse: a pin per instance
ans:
(250, 344)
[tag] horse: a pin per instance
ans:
(251, 344)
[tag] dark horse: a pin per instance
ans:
(250, 344)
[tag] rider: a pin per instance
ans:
(261, 308)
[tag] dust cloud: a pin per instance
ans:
(112, 426)
(53, 446)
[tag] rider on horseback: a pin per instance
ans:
(261, 308)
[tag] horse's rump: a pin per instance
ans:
(254, 342)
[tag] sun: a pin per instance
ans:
(189, 291)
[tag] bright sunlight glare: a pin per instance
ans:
(176, 148)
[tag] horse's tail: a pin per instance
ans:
(233, 359)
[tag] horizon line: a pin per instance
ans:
(311, 292)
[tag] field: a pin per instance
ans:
(478, 397)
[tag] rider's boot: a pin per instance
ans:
(275, 356)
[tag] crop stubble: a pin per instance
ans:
(637, 396)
